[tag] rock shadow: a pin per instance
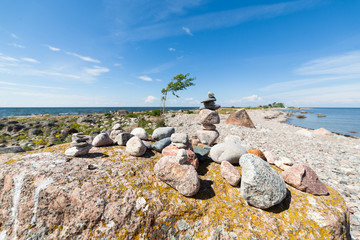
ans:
(94, 155)
(203, 166)
(148, 154)
(206, 191)
(283, 206)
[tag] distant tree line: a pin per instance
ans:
(273, 105)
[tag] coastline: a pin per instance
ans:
(335, 158)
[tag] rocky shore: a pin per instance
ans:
(334, 158)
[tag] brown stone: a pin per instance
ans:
(305, 179)
(240, 118)
(208, 127)
(207, 116)
(258, 153)
(172, 150)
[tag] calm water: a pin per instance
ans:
(340, 120)
(25, 112)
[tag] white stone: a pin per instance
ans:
(141, 133)
(135, 147)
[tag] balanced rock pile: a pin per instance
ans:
(208, 117)
(79, 145)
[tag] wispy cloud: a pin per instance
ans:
(249, 99)
(13, 35)
(150, 99)
(160, 68)
(7, 58)
(31, 86)
(214, 20)
(96, 70)
(348, 63)
(16, 45)
(158, 80)
(84, 58)
(56, 74)
(145, 78)
(53, 48)
(172, 49)
(187, 30)
(31, 60)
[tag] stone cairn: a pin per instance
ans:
(208, 117)
(79, 145)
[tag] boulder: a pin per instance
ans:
(269, 157)
(103, 139)
(122, 138)
(240, 118)
(135, 146)
(208, 127)
(201, 153)
(163, 132)
(261, 185)
(78, 151)
(35, 132)
(178, 173)
(258, 153)
(160, 145)
(283, 163)
(12, 149)
(230, 173)
(208, 117)
(320, 115)
(207, 137)
(140, 133)
(115, 133)
(117, 126)
(322, 131)
(227, 152)
(123, 199)
(172, 150)
(180, 140)
(305, 179)
(147, 145)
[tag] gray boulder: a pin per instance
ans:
(135, 147)
(147, 145)
(114, 133)
(178, 173)
(77, 151)
(35, 132)
(201, 153)
(103, 139)
(117, 126)
(122, 138)
(141, 133)
(180, 140)
(162, 132)
(261, 185)
(12, 149)
(207, 137)
(230, 152)
(160, 145)
(207, 116)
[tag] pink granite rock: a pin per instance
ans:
(207, 117)
(230, 173)
(172, 150)
(305, 179)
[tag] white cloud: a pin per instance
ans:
(13, 35)
(31, 60)
(187, 30)
(253, 98)
(96, 70)
(31, 86)
(158, 80)
(53, 48)
(150, 99)
(7, 58)
(348, 63)
(84, 58)
(172, 49)
(17, 45)
(50, 73)
(118, 64)
(145, 78)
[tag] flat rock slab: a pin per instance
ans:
(123, 199)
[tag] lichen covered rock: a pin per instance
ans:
(44, 196)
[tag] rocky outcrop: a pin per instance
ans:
(108, 195)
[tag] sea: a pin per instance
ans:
(31, 111)
(345, 121)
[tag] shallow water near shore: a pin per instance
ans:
(345, 121)
(29, 111)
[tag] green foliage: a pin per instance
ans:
(160, 123)
(178, 83)
(132, 115)
(75, 126)
(21, 137)
(107, 114)
(27, 148)
(155, 113)
(143, 123)
(189, 112)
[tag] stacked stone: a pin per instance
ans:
(79, 145)
(208, 117)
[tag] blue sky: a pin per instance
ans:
(123, 52)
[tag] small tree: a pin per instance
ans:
(179, 82)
